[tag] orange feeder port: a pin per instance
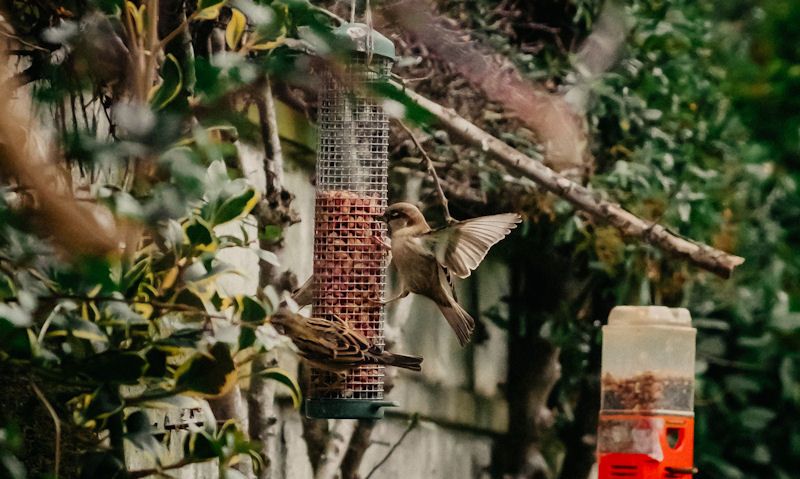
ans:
(646, 427)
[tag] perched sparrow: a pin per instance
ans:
(334, 345)
(426, 258)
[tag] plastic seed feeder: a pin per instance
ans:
(646, 428)
(349, 260)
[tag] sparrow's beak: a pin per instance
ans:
(383, 217)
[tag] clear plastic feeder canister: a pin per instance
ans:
(646, 428)
(648, 360)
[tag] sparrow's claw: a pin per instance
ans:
(392, 300)
(386, 244)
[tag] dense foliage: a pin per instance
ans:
(104, 338)
(693, 129)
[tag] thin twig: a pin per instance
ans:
(151, 472)
(432, 171)
(328, 13)
(153, 396)
(56, 425)
(276, 165)
(24, 42)
(411, 425)
(177, 31)
(181, 308)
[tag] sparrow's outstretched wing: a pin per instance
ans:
(462, 246)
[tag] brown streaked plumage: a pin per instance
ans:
(333, 345)
(426, 258)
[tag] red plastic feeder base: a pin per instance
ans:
(663, 445)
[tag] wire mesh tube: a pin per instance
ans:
(349, 260)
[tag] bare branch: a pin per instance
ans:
(411, 425)
(359, 443)
(56, 426)
(701, 255)
(273, 153)
(340, 436)
(159, 471)
(432, 171)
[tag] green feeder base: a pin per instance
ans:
(346, 408)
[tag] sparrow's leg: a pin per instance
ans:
(386, 244)
(392, 300)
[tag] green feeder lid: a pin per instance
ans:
(346, 408)
(354, 36)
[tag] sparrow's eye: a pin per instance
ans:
(394, 214)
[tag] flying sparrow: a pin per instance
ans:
(333, 345)
(426, 258)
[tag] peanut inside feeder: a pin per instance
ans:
(349, 259)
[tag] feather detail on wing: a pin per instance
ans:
(461, 247)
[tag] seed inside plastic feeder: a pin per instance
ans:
(349, 258)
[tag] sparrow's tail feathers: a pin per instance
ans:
(460, 320)
(414, 363)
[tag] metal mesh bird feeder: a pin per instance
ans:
(349, 259)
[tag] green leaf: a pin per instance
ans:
(252, 311)
(247, 338)
(200, 235)
(756, 418)
(139, 432)
(69, 325)
(413, 111)
(7, 288)
(123, 315)
(115, 367)
(16, 342)
(271, 233)
(235, 29)
(156, 363)
(110, 6)
(235, 207)
(97, 406)
(283, 377)
(180, 340)
(171, 85)
(133, 274)
(102, 464)
(172, 402)
(268, 257)
(15, 315)
(187, 297)
(208, 9)
(201, 446)
(208, 375)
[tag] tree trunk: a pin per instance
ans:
(533, 370)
